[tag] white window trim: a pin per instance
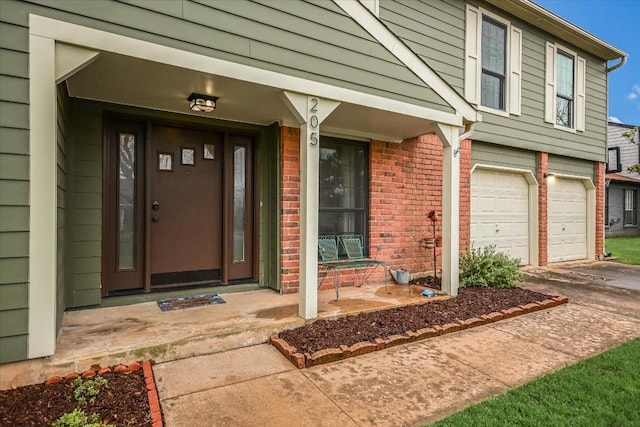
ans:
(473, 63)
(579, 88)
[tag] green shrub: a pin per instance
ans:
(88, 390)
(484, 267)
(78, 418)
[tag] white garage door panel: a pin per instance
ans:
(567, 220)
(500, 212)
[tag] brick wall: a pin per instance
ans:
(406, 183)
(290, 210)
(599, 171)
(465, 195)
(543, 167)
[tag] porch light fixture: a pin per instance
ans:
(549, 177)
(202, 103)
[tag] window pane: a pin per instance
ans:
(126, 201)
(494, 41)
(239, 191)
(630, 207)
(493, 46)
(565, 75)
(343, 187)
(491, 92)
(342, 181)
(564, 111)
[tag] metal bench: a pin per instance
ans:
(328, 250)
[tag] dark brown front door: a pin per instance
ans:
(180, 206)
(186, 172)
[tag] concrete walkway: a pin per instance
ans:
(409, 385)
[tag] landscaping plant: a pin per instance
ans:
(484, 267)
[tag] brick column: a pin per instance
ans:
(543, 167)
(290, 210)
(599, 172)
(465, 196)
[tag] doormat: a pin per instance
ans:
(188, 302)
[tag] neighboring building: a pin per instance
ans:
(622, 187)
(332, 117)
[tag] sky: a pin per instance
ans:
(618, 23)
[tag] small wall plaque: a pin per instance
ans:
(188, 156)
(209, 152)
(165, 161)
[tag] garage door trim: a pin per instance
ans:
(529, 176)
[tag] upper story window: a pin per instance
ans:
(564, 93)
(565, 86)
(494, 64)
(613, 160)
(493, 59)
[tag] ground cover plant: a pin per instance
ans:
(601, 391)
(111, 399)
(625, 249)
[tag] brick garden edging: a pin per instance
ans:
(328, 355)
(152, 392)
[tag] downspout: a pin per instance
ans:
(623, 61)
(468, 131)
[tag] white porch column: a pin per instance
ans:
(450, 208)
(310, 112)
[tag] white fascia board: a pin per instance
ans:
(109, 42)
(390, 41)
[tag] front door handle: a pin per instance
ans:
(155, 205)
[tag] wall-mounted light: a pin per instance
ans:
(549, 177)
(203, 103)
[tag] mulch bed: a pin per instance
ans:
(124, 402)
(328, 340)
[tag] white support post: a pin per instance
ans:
(42, 200)
(310, 112)
(450, 208)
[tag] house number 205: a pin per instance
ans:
(313, 121)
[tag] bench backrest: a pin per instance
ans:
(353, 246)
(328, 248)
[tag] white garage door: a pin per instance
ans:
(567, 220)
(500, 212)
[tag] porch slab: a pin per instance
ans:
(112, 335)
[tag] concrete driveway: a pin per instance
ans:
(413, 384)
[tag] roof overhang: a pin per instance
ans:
(542, 18)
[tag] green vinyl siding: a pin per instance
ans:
(13, 348)
(569, 166)
(62, 119)
(497, 155)
(14, 191)
(529, 131)
(311, 40)
(434, 30)
(14, 296)
(84, 204)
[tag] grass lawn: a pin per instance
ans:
(601, 391)
(625, 249)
